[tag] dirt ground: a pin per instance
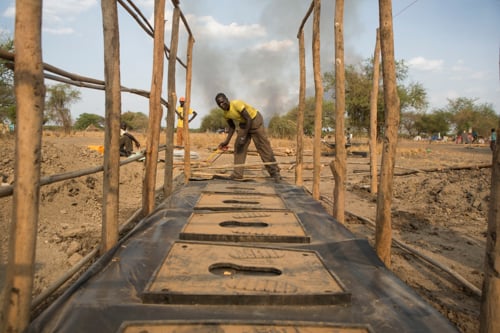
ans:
(440, 204)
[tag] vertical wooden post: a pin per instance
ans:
(338, 164)
(302, 100)
(373, 116)
(111, 176)
(187, 105)
(155, 110)
(30, 97)
(318, 111)
(383, 232)
(300, 114)
(172, 102)
(489, 322)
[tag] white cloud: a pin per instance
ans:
(420, 63)
(59, 31)
(10, 12)
(57, 14)
(275, 45)
(208, 26)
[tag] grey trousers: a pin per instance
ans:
(257, 133)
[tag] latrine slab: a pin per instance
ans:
(227, 201)
(214, 326)
(245, 226)
(240, 188)
(204, 273)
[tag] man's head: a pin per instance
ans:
(222, 101)
(182, 100)
(123, 126)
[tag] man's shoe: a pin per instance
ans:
(276, 178)
(235, 177)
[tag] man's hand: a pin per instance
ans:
(223, 146)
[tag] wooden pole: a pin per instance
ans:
(30, 96)
(155, 111)
(111, 176)
(172, 102)
(300, 114)
(338, 164)
(373, 116)
(489, 322)
(302, 100)
(318, 84)
(187, 105)
(383, 232)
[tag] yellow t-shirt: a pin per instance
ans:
(235, 108)
(180, 122)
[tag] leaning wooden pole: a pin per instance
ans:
(111, 176)
(187, 140)
(299, 162)
(155, 111)
(338, 164)
(30, 96)
(489, 321)
(383, 232)
(299, 156)
(373, 117)
(172, 102)
(318, 111)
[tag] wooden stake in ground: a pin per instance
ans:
(111, 176)
(155, 111)
(172, 102)
(318, 92)
(383, 233)
(30, 97)
(338, 164)
(489, 321)
(373, 116)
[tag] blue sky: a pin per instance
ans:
(249, 49)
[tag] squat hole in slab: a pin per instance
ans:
(230, 269)
(237, 224)
(241, 202)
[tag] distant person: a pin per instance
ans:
(348, 136)
(180, 120)
(493, 139)
(126, 140)
(251, 127)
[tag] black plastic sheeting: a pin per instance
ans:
(108, 294)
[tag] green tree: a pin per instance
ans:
(213, 121)
(328, 120)
(60, 97)
(7, 97)
(135, 120)
(86, 119)
(433, 123)
(467, 113)
(281, 127)
(413, 96)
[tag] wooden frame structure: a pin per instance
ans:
(30, 91)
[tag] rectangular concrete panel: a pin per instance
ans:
(226, 201)
(245, 226)
(208, 273)
(259, 327)
(240, 188)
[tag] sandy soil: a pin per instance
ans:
(441, 213)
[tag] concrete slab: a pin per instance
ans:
(227, 201)
(213, 326)
(208, 273)
(245, 226)
(240, 188)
